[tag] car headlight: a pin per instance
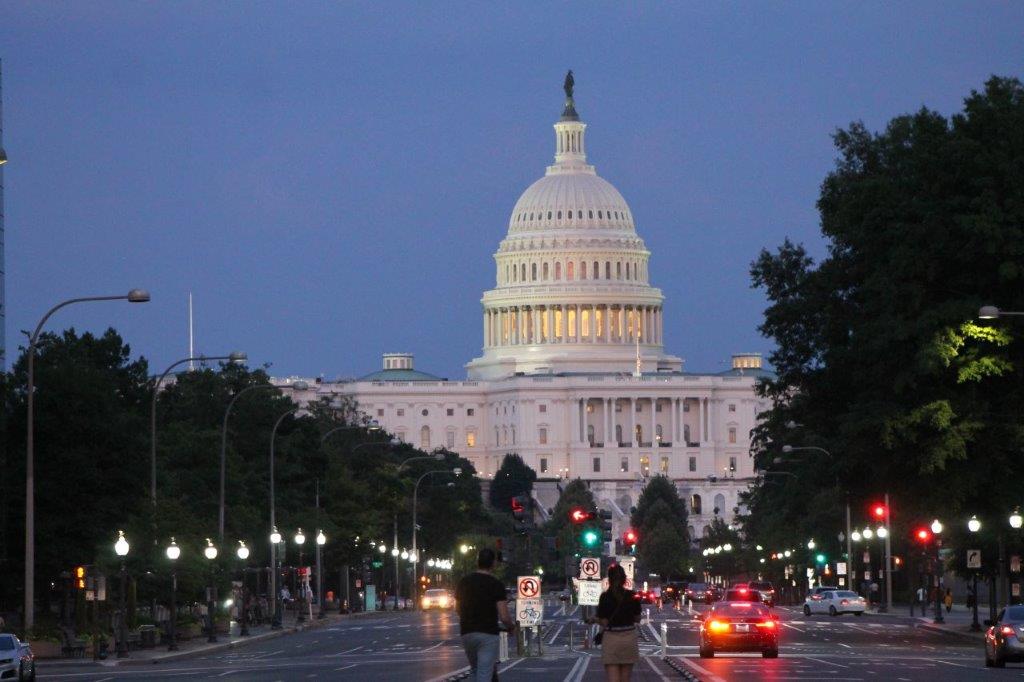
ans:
(443, 601)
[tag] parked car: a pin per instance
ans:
(16, 659)
(1004, 639)
(835, 603)
(766, 589)
(739, 626)
(437, 599)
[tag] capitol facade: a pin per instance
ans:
(573, 375)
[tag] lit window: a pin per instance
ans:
(664, 465)
(542, 436)
(543, 465)
(732, 464)
(693, 464)
(470, 439)
(450, 412)
(732, 434)
(590, 407)
(695, 504)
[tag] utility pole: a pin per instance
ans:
(849, 548)
(888, 556)
(395, 545)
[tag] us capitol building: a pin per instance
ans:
(573, 375)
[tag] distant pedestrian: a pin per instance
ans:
(948, 600)
(482, 601)
(618, 612)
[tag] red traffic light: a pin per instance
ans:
(630, 536)
(578, 515)
(922, 535)
(878, 511)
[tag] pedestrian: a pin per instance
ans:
(948, 600)
(618, 612)
(482, 601)
(919, 599)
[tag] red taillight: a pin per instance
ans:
(717, 626)
(1006, 630)
(845, 601)
(769, 624)
(743, 590)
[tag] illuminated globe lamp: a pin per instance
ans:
(810, 544)
(1016, 520)
(242, 551)
(173, 551)
(405, 554)
(413, 557)
(321, 539)
(867, 534)
(383, 548)
(936, 527)
(121, 547)
(394, 551)
(974, 525)
(210, 552)
(430, 563)
(300, 537)
(882, 532)
(855, 536)
(275, 536)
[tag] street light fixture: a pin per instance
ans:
(210, 552)
(882, 532)
(1016, 520)
(974, 525)
(133, 296)
(275, 540)
(936, 526)
(121, 549)
(321, 540)
(173, 552)
(867, 534)
(855, 536)
(382, 547)
(243, 611)
(991, 312)
(810, 544)
(300, 540)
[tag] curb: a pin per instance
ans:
(678, 667)
(974, 636)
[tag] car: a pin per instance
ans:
(1005, 637)
(739, 586)
(673, 592)
(835, 603)
(17, 661)
(437, 599)
(739, 626)
(766, 589)
(741, 594)
(646, 596)
(704, 592)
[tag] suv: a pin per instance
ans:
(742, 594)
(766, 589)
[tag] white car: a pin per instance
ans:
(16, 659)
(834, 603)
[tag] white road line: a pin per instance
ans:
(229, 672)
(792, 626)
(347, 652)
(511, 665)
(346, 667)
(846, 645)
(656, 671)
(959, 665)
(657, 637)
(578, 670)
(821, 660)
(555, 636)
(703, 671)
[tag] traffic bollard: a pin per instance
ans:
(570, 635)
(502, 646)
(664, 640)
(539, 634)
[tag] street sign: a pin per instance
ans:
(528, 587)
(529, 611)
(628, 564)
(1015, 563)
(974, 558)
(590, 592)
(90, 595)
(101, 588)
(590, 568)
(359, 583)
(840, 568)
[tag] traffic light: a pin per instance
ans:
(878, 512)
(579, 515)
(520, 514)
(606, 525)
(897, 563)
(821, 558)
(629, 540)
(923, 535)
(590, 538)
(80, 577)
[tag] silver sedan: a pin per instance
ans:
(16, 659)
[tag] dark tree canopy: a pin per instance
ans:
(660, 519)
(512, 478)
(880, 357)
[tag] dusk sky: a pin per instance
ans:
(330, 180)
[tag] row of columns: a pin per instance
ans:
(580, 422)
(572, 323)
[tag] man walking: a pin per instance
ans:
(482, 601)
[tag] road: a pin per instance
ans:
(425, 646)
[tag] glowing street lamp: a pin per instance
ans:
(1016, 520)
(974, 525)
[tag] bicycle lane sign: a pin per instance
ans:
(529, 607)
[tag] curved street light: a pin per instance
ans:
(296, 385)
(235, 357)
(121, 548)
(133, 296)
(173, 552)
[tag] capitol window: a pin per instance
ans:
(380, 412)
(599, 215)
(618, 270)
(624, 464)
(450, 439)
(558, 271)
(400, 435)
(401, 412)
(583, 270)
(549, 215)
(425, 438)
(559, 215)
(732, 408)
(470, 439)
(470, 412)
(664, 465)
(607, 270)
(424, 413)
(569, 271)
(693, 464)
(523, 278)
(543, 465)
(597, 465)
(579, 214)
(591, 214)
(450, 412)
(732, 434)
(533, 271)
(542, 436)
(543, 408)
(545, 271)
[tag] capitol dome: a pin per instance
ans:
(572, 290)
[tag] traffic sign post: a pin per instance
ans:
(590, 568)
(589, 592)
(528, 587)
(974, 558)
(628, 564)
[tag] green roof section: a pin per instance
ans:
(400, 375)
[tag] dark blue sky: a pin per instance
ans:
(332, 179)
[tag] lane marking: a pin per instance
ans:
(655, 669)
(580, 669)
(511, 665)
(821, 660)
(347, 652)
(793, 627)
(346, 667)
(959, 665)
(228, 672)
(846, 645)
(551, 641)
(703, 671)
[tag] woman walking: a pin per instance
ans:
(618, 612)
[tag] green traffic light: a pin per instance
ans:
(590, 538)
(820, 558)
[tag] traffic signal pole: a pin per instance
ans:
(888, 555)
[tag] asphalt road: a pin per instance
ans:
(425, 646)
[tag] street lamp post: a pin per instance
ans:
(300, 540)
(133, 296)
(173, 552)
(275, 540)
(937, 531)
(121, 549)
(321, 540)
(236, 356)
(974, 525)
(273, 519)
(243, 602)
(415, 498)
(296, 385)
(210, 552)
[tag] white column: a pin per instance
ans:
(632, 422)
(609, 415)
(593, 323)
(583, 420)
(661, 326)
(551, 323)
(700, 420)
(674, 405)
(574, 427)
(654, 421)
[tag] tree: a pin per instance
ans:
(512, 478)
(879, 359)
(660, 520)
(574, 494)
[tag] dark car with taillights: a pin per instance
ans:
(766, 589)
(739, 626)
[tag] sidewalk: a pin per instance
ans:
(956, 622)
(199, 646)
